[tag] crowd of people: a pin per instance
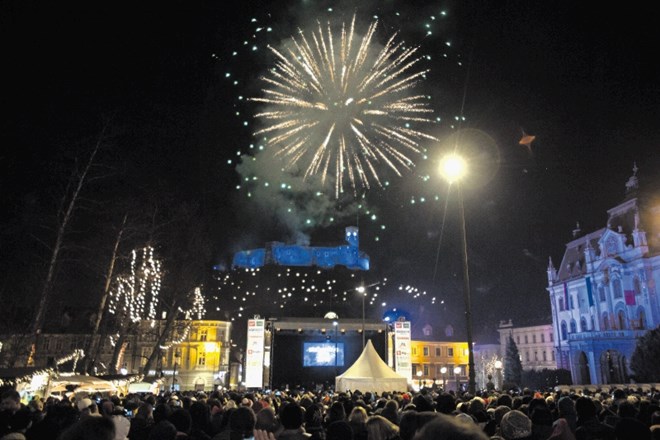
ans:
(299, 415)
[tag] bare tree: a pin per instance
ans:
(67, 207)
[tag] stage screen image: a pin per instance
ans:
(322, 354)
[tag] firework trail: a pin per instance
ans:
(339, 105)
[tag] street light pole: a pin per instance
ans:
(466, 297)
(362, 292)
(453, 169)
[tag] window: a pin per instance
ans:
(542, 337)
(438, 370)
(561, 304)
(642, 319)
(414, 351)
(450, 370)
(552, 338)
(637, 286)
(545, 356)
(438, 351)
(46, 344)
(573, 326)
(517, 339)
(426, 351)
(552, 353)
(201, 358)
(450, 352)
(593, 323)
(622, 320)
(534, 339)
(526, 341)
(571, 306)
(527, 356)
(617, 291)
(58, 344)
(536, 355)
(414, 370)
(564, 332)
(426, 370)
(203, 334)
(583, 325)
(601, 293)
(606, 321)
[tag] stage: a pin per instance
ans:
(311, 352)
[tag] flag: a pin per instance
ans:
(590, 294)
(630, 297)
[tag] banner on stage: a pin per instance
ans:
(254, 354)
(402, 349)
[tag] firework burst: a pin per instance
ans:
(340, 105)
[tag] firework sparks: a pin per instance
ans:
(339, 105)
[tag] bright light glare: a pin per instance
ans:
(453, 168)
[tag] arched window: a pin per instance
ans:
(583, 325)
(642, 319)
(621, 318)
(606, 321)
(564, 332)
(617, 291)
(573, 326)
(601, 293)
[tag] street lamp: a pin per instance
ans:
(363, 292)
(453, 168)
(457, 373)
(176, 358)
(498, 371)
(443, 370)
(419, 377)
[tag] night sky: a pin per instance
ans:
(163, 79)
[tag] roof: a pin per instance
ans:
(370, 365)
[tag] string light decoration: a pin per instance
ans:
(75, 357)
(197, 309)
(178, 340)
(136, 295)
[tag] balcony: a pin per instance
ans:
(605, 335)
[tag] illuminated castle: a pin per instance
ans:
(348, 255)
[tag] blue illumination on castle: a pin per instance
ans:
(348, 255)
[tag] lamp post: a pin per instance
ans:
(457, 373)
(453, 169)
(443, 370)
(498, 375)
(176, 358)
(363, 292)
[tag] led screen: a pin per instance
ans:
(322, 354)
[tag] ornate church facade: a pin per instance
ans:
(604, 295)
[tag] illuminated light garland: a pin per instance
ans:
(75, 357)
(177, 341)
(197, 309)
(137, 293)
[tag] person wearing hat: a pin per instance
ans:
(515, 425)
(87, 408)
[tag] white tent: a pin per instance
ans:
(370, 373)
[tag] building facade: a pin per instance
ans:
(198, 358)
(604, 293)
(428, 359)
(535, 344)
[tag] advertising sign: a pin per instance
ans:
(254, 353)
(402, 364)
